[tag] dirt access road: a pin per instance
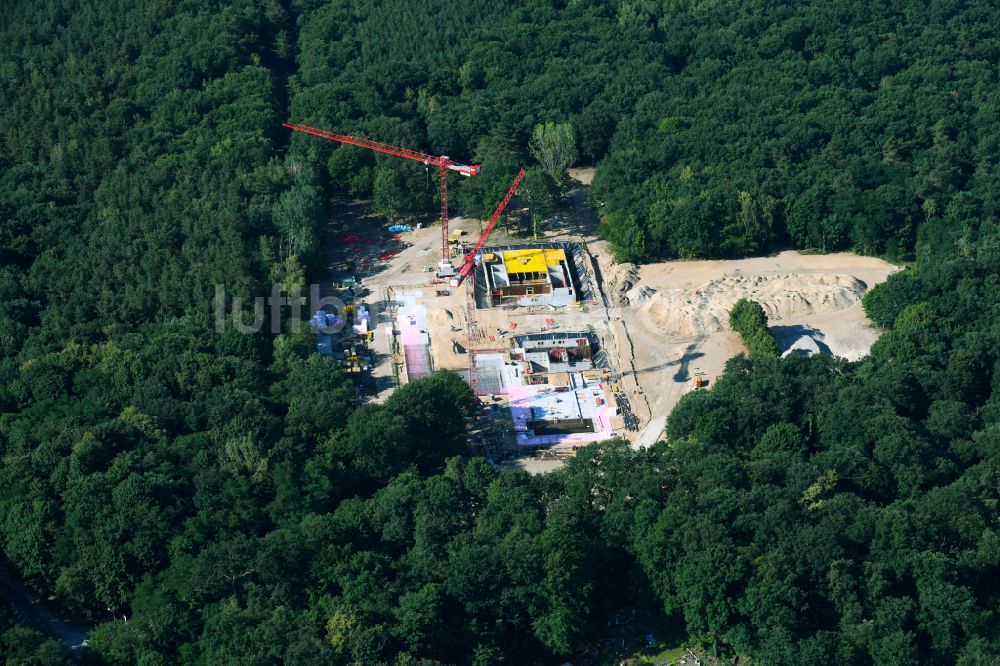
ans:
(29, 608)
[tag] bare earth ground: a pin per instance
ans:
(662, 324)
(676, 313)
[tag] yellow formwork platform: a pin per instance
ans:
(534, 260)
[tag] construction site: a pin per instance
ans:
(526, 329)
(563, 345)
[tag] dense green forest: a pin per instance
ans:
(228, 496)
(719, 129)
(26, 646)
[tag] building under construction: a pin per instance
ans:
(539, 274)
(555, 385)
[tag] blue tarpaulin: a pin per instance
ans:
(324, 345)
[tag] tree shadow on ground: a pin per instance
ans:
(684, 363)
(786, 336)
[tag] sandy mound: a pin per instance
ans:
(622, 280)
(705, 309)
(637, 294)
(804, 346)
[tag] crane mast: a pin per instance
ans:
(467, 270)
(442, 162)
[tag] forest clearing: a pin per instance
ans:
(663, 324)
(741, 311)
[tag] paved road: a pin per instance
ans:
(29, 608)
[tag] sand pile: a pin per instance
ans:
(705, 309)
(637, 295)
(623, 280)
(805, 346)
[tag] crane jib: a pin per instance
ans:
(378, 146)
(443, 163)
(470, 258)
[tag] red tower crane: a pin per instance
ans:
(469, 262)
(442, 162)
(468, 271)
